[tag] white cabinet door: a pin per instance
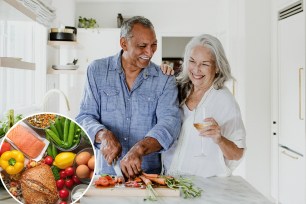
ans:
(292, 88)
(96, 44)
(292, 177)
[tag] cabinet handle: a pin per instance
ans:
(301, 117)
(234, 87)
(285, 153)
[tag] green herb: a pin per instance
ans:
(55, 171)
(186, 185)
(8, 122)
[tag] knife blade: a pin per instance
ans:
(118, 170)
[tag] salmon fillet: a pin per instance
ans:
(26, 141)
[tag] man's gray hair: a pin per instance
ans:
(222, 66)
(127, 26)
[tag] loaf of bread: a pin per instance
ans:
(38, 185)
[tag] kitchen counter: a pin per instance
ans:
(217, 190)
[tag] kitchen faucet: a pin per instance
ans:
(52, 91)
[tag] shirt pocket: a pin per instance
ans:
(109, 99)
(147, 104)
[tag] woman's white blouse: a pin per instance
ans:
(182, 158)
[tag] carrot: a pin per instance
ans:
(152, 193)
(137, 179)
(159, 180)
(145, 180)
(150, 175)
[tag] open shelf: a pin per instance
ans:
(53, 71)
(58, 44)
(12, 62)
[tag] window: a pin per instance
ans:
(22, 89)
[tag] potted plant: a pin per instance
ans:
(87, 22)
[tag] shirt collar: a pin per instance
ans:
(150, 70)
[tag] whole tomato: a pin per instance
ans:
(5, 147)
(48, 160)
(60, 183)
(63, 174)
(75, 179)
(63, 194)
(69, 171)
(69, 183)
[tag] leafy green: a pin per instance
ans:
(186, 185)
(8, 122)
(55, 171)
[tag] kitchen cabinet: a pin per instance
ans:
(292, 177)
(292, 87)
(291, 66)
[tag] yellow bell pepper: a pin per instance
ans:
(12, 161)
(64, 160)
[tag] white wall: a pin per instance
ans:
(244, 29)
(258, 102)
(176, 17)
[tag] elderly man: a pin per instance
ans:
(129, 107)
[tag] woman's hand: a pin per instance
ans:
(167, 69)
(228, 148)
(213, 130)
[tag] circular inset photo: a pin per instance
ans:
(47, 158)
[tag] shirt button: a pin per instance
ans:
(128, 99)
(127, 118)
(125, 138)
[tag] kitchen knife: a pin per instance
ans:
(118, 170)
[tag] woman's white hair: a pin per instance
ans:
(223, 70)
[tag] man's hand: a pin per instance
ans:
(131, 162)
(110, 146)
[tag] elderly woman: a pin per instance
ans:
(215, 149)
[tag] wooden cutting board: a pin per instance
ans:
(129, 191)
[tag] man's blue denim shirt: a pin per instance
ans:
(149, 109)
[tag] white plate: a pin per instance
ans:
(44, 140)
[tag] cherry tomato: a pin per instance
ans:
(60, 183)
(63, 202)
(69, 183)
(63, 174)
(69, 171)
(48, 160)
(63, 194)
(75, 179)
(5, 147)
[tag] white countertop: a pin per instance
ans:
(217, 190)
